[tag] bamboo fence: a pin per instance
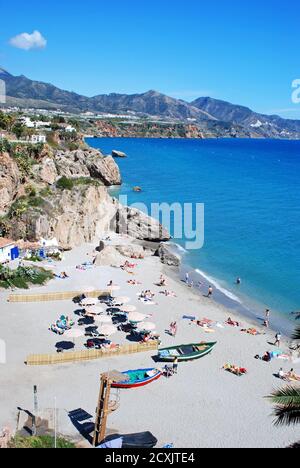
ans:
(54, 296)
(90, 355)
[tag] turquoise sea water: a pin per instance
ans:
(250, 189)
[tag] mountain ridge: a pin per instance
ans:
(204, 111)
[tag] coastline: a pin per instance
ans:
(227, 299)
(214, 396)
(255, 295)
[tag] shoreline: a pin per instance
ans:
(214, 395)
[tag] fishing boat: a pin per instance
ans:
(136, 378)
(187, 352)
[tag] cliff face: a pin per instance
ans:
(36, 204)
(10, 181)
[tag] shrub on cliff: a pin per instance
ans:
(65, 184)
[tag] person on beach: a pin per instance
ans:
(278, 340)
(210, 291)
(175, 366)
(163, 281)
(281, 374)
(187, 278)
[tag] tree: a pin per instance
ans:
(19, 130)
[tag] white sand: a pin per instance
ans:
(201, 407)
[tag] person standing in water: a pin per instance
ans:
(278, 340)
(187, 278)
(267, 318)
(238, 281)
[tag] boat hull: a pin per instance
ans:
(187, 357)
(137, 383)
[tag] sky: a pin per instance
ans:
(242, 51)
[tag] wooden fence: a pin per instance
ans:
(82, 356)
(54, 296)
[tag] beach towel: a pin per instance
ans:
(186, 317)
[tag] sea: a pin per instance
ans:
(251, 195)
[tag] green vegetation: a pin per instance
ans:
(65, 184)
(23, 277)
(287, 401)
(42, 442)
(68, 184)
(23, 204)
(25, 155)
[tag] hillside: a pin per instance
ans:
(214, 117)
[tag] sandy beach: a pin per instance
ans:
(203, 406)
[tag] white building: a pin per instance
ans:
(8, 250)
(70, 129)
(38, 139)
(31, 124)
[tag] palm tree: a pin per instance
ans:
(296, 335)
(287, 401)
(287, 406)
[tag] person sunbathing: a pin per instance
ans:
(292, 376)
(232, 322)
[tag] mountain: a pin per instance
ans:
(151, 103)
(240, 115)
(215, 117)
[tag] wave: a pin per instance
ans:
(177, 247)
(215, 283)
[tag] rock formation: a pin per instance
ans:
(167, 256)
(10, 181)
(81, 212)
(89, 163)
(118, 154)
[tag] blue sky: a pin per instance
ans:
(246, 52)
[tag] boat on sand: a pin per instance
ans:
(187, 352)
(136, 378)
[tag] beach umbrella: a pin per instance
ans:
(74, 333)
(103, 319)
(89, 301)
(146, 326)
(136, 317)
(122, 300)
(65, 345)
(128, 308)
(108, 330)
(95, 310)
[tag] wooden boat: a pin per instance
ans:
(188, 352)
(137, 378)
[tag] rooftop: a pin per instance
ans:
(5, 242)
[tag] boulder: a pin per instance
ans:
(48, 172)
(88, 163)
(109, 257)
(136, 224)
(168, 257)
(105, 169)
(118, 154)
(131, 250)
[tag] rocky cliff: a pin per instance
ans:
(63, 195)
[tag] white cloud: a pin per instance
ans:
(27, 41)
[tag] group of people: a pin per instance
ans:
(147, 295)
(289, 376)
